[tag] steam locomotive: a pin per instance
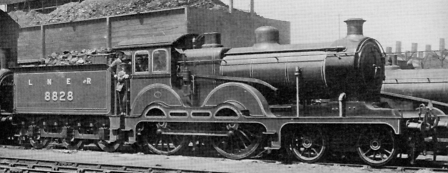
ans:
(193, 91)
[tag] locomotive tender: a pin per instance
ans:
(193, 91)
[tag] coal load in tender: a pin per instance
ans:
(100, 8)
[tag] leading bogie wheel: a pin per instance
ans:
(242, 141)
(73, 144)
(377, 146)
(308, 145)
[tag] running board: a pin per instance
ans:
(221, 133)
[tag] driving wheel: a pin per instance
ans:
(160, 143)
(242, 141)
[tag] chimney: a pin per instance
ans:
(354, 26)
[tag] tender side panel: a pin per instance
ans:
(74, 93)
(89, 34)
(29, 44)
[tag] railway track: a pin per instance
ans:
(23, 165)
(397, 168)
(19, 165)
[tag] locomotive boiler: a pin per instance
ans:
(191, 91)
(325, 72)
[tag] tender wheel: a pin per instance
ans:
(242, 141)
(36, 141)
(73, 144)
(39, 142)
(109, 146)
(160, 143)
(308, 145)
(377, 146)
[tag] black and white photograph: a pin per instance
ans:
(223, 86)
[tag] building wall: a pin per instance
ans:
(237, 28)
(148, 25)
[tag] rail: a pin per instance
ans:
(9, 164)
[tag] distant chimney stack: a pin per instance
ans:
(398, 47)
(389, 50)
(442, 44)
(428, 48)
(252, 7)
(354, 26)
(414, 47)
(230, 6)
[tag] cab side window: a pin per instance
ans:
(159, 60)
(141, 61)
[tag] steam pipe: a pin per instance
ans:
(3, 63)
(341, 100)
(297, 74)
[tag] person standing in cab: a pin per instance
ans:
(119, 68)
(121, 87)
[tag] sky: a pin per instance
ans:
(409, 21)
